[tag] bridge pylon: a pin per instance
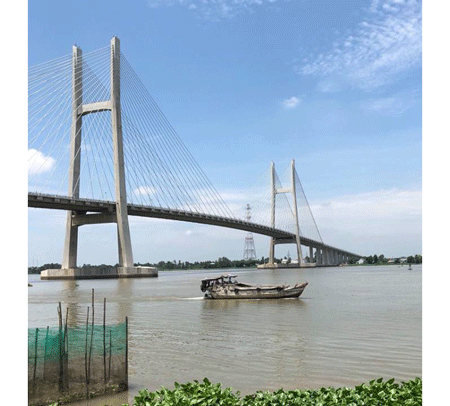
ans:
(296, 240)
(120, 216)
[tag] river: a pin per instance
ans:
(351, 325)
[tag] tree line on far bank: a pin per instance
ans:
(382, 260)
(224, 262)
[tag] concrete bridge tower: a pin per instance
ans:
(291, 190)
(120, 217)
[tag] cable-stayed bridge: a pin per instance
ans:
(101, 149)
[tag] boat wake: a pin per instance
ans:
(193, 298)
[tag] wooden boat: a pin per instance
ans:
(226, 287)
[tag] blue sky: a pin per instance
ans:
(337, 86)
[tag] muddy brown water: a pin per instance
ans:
(351, 325)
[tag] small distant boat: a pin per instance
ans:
(226, 287)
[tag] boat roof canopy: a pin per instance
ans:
(220, 277)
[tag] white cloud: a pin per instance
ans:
(385, 222)
(389, 221)
(387, 43)
(385, 204)
(144, 191)
(212, 9)
(393, 106)
(328, 86)
(291, 102)
(39, 163)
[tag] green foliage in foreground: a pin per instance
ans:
(374, 393)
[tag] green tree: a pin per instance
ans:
(224, 262)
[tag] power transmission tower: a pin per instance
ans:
(249, 249)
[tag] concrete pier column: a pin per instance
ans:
(125, 254)
(297, 228)
(272, 212)
(311, 254)
(71, 239)
(272, 251)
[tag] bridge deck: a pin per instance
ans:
(83, 206)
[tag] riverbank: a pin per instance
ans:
(206, 393)
(206, 266)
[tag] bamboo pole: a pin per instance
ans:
(35, 359)
(126, 351)
(85, 352)
(66, 352)
(104, 339)
(92, 336)
(45, 353)
(110, 346)
(61, 365)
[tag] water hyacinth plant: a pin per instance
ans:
(375, 393)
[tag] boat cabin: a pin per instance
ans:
(221, 280)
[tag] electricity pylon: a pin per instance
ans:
(249, 249)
